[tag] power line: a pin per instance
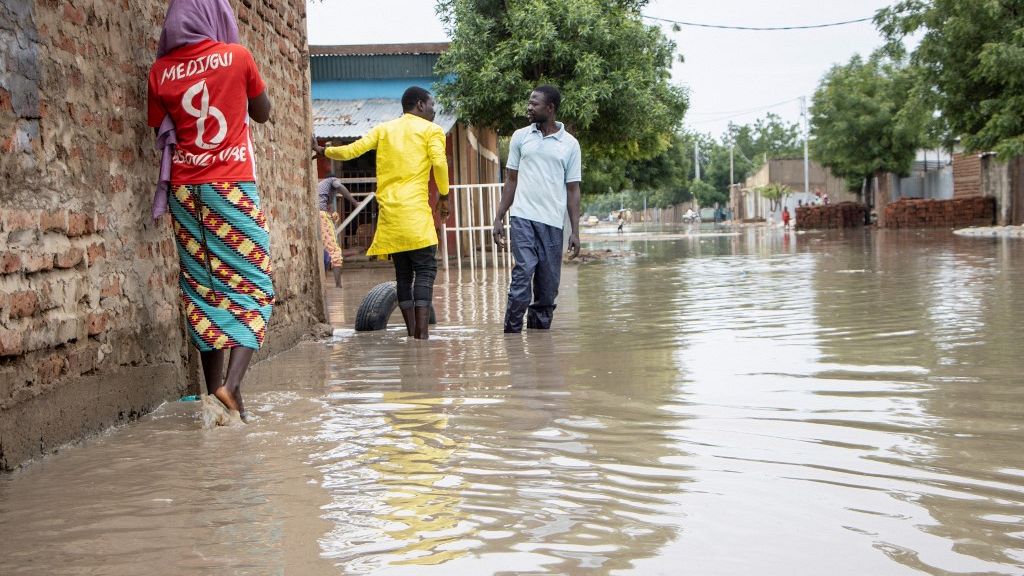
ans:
(760, 28)
(743, 113)
(745, 110)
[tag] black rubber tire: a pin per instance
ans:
(377, 307)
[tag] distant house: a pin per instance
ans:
(356, 87)
(748, 204)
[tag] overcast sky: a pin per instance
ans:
(728, 72)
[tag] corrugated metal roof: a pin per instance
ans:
(371, 67)
(379, 49)
(353, 118)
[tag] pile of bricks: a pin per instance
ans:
(956, 213)
(842, 215)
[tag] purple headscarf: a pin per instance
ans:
(187, 22)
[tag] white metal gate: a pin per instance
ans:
(473, 207)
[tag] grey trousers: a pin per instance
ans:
(537, 249)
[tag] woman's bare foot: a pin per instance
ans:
(226, 398)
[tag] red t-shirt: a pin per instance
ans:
(206, 87)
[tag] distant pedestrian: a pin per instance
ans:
(201, 117)
(327, 191)
(408, 149)
(785, 217)
(621, 223)
(542, 184)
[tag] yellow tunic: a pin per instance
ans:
(407, 149)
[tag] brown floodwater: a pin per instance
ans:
(758, 403)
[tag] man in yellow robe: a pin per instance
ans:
(408, 148)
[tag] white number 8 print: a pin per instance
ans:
(203, 113)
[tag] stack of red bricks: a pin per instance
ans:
(956, 213)
(841, 215)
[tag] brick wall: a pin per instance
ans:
(90, 327)
(966, 175)
(955, 213)
(841, 215)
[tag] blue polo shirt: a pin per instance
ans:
(545, 164)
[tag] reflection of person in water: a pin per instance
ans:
(421, 496)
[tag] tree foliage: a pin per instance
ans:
(751, 144)
(707, 194)
(775, 193)
(970, 64)
(860, 121)
(613, 70)
(769, 136)
(665, 179)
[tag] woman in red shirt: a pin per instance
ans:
(203, 89)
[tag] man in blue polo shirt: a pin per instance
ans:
(542, 183)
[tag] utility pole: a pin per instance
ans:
(807, 135)
(732, 172)
(732, 177)
(696, 159)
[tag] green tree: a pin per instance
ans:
(860, 121)
(766, 136)
(707, 195)
(663, 178)
(613, 70)
(775, 193)
(970, 66)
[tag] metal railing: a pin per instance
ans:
(340, 228)
(473, 208)
(362, 186)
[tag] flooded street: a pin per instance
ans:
(759, 403)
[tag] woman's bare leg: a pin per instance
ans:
(231, 393)
(213, 369)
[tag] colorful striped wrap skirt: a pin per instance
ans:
(225, 281)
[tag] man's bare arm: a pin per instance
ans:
(508, 194)
(572, 190)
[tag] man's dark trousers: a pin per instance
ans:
(415, 271)
(537, 249)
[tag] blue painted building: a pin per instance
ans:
(355, 87)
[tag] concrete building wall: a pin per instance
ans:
(997, 180)
(90, 327)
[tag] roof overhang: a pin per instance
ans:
(379, 49)
(351, 119)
